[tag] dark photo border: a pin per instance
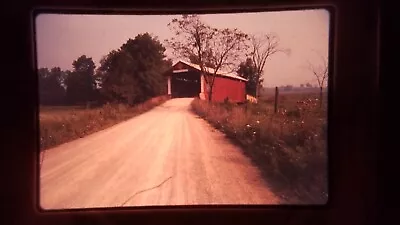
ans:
(352, 114)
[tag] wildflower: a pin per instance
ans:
(248, 125)
(258, 121)
(302, 121)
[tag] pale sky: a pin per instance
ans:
(63, 38)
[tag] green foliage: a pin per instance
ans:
(248, 70)
(51, 91)
(80, 82)
(134, 73)
(131, 74)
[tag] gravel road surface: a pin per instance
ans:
(167, 156)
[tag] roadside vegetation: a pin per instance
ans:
(289, 147)
(62, 124)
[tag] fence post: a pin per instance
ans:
(320, 97)
(276, 99)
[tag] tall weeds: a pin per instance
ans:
(62, 125)
(289, 147)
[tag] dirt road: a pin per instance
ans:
(167, 156)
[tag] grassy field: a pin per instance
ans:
(289, 99)
(60, 124)
(289, 147)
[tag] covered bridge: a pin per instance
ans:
(186, 80)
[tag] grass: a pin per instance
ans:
(60, 124)
(289, 147)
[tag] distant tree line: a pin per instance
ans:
(131, 74)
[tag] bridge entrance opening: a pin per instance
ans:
(185, 85)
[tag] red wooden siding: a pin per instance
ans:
(224, 88)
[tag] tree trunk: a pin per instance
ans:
(257, 86)
(276, 100)
(210, 94)
(210, 85)
(257, 90)
(320, 97)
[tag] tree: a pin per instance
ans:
(80, 82)
(63, 78)
(220, 48)
(320, 72)
(262, 48)
(302, 85)
(308, 85)
(248, 70)
(195, 59)
(133, 73)
(165, 65)
(51, 91)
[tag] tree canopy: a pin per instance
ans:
(51, 90)
(263, 46)
(320, 72)
(131, 74)
(207, 46)
(195, 59)
(248, 70)
(80, 83)
(134, 72)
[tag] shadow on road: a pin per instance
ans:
(290, 194)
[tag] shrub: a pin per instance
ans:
(294, 113)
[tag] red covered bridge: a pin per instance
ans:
(186, 80)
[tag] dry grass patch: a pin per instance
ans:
(289, 147)
(62, 124)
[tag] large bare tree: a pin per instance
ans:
(263, 46)
(210, 46)
(320, 72)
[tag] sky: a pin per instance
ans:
(60, 39)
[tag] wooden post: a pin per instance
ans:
(169, 85)
(276, 99)
(320, 97)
